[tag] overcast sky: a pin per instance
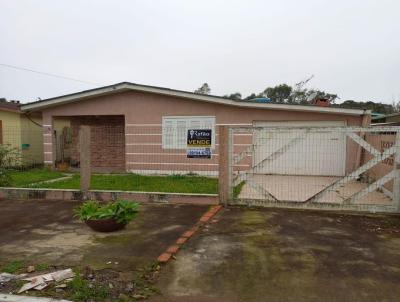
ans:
(352, 47)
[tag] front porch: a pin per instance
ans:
(107, 143)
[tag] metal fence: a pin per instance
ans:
(141, 149)
(21, 148)
(352, 168)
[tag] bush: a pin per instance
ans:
(9, 157)
(5, 178)
(122, 211)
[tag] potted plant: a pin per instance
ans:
(107, 217)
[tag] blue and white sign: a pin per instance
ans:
(199, 153)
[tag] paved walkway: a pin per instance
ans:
(301, 188)
(47, 232)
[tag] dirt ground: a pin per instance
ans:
(280, 255)
(44, 233)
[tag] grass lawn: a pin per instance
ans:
(24, 178)
(143, 183)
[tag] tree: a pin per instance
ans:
(396, 106)
(237, 96)
(204, 89)
(306, 96)
(373, 106)
(249, 97)
(254, 96)
(279, 93)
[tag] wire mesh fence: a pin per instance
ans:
(128, 151)
(147, 149)
(316, 165)
(152, 149)
(21, 149)
(300, 165)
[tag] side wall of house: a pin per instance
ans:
(32, 140)
(143, 117)
(11, 128)
(23, 134)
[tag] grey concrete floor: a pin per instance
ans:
(300, 188)
(281, 255)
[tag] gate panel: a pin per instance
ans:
(292, 151)
(289, 152)
(306, 168)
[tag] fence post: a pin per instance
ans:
(365, 122)
(224, 175)
(396, 167)
(84, 151)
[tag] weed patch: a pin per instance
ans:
(12, 267)
(237, 189)
(82, 290)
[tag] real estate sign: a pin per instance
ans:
(199, 143)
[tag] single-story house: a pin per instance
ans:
(143, 129)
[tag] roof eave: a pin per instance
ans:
(37, 106)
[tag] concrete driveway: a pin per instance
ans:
(46, 235)
(280, 255)
(47, 232)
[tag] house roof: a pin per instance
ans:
(12, 106)
(126, 86)
(376, 115)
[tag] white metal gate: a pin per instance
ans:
(316, 167)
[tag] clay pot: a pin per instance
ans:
(105, 225)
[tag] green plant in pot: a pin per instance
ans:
(107, 217)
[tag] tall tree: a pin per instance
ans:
(204, 89)
(396, 106)
(279, 93)
(306, 96)
(237, 96)
(373, 106)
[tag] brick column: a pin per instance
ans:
(84, 152)
(225, 170)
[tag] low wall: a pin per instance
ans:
(102, 195)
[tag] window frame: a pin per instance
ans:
(175, 144)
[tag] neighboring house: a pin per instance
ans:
(22, 132)
(142, 129)
(388, 120)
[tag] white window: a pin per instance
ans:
(174, 129)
